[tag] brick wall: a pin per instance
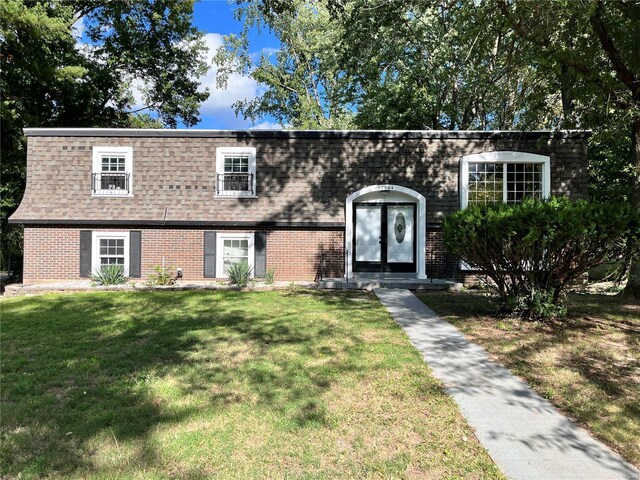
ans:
(298, 255)
(53, 252)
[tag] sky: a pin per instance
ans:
(215, 19)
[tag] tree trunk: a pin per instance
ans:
(633, 283)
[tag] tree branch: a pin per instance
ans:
(624, 74)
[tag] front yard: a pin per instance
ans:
(587, 365)
(228, 384)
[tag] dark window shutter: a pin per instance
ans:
(135, 253)
(260, 261)
(85, 253)
(210, 254)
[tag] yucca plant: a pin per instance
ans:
(109, 275)
(239, 274)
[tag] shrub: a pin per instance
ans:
(531, 251)
(163, 276)
(239, 274)
(269, 276)
(109, 275)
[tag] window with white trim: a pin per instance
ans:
(508, 177)
(233, 248)
(112, 171)
(503, 177)
(235, 172)
(110, 248)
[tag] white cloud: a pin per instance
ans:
(239, 87)
(220, 101)
(267, 126)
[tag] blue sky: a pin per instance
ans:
(215, 19)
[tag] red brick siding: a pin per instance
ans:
(53, 252)
(296, 255)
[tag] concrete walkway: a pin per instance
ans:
(524, 434)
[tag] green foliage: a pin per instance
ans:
(54, 76)
(532, 251)
(109, 275)
(239, 274)
(163, 276)
(269, 276)
(303, 83)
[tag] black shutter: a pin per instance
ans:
(210, 254)
(135, 253)
(85, 253)
(260, 261)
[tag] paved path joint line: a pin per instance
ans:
(524, 434)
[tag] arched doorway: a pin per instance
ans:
(385, 229)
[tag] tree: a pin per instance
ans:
(49, 79)
(302, 80)
(592, 41)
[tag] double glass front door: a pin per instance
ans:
(384, 237)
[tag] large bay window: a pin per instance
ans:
(503, 177)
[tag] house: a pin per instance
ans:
(303, 203)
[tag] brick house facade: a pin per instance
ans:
(304, 204)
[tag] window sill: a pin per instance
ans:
(105, 195)
(234, 196)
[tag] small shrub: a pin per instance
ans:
(239, 274)
(109, 275)
(163, 276)
(269, 276)
(532, 251)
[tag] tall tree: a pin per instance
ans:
(595, 43)
(51, 79)
(302, 80)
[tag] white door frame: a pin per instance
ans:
(385, 194)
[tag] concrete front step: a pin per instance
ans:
(371, 283)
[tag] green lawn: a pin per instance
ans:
(588, 364)
(295, 384)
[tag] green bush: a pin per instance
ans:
(109, 275)
(239, 274)
(533, 250)
(269, 276)
(163, 276)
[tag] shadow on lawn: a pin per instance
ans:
(579, 364)
(79, 366)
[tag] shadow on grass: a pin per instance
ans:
(587, 363)
(75, 366)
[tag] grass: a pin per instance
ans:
(588, 365)
(294, 384)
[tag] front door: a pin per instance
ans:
(384, 237)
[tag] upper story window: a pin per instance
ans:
(503, 177)
(112, 171)
(236, 172)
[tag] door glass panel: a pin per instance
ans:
(368, 231)
(400, 234)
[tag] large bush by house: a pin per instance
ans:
(531, 251)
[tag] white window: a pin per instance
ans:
(503, 177)
(110, 248)
(112, 171)
(509, 177)
(236, 172)
(232, 248)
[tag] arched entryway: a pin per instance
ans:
(385, 231)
